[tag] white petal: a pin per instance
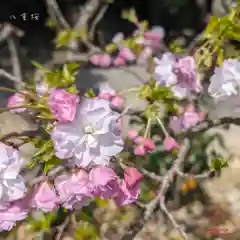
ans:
(15, 188)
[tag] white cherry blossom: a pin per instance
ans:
(226, 80)
(92, 138)
(12, 186)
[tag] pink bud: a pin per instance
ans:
(95, 59)
(132, 134)
(132, 176)
(169, 143)
(127, 54)
(18, 99)
(139, 140)
(119, 61)
(140, 151)
(105, 60)
(117, 102)
(149, 145)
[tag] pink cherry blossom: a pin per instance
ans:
(16, 211)
(105, 60)
(17, 100)
(140, 150)
(132, 134)
(190, 119)
(117, 102)
(74, 190)
(144, 55)
(105, 182)
(149, 145)
(119, 61)
(106, 92)
(179, 75)
(139, 140)
(63, 105)
(132, 176)
(185, 69)
(127, 54)
(143, 145)
(169, 143)
(127, 194)
(45, 198)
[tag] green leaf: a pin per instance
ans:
(90, 93)
(218, 164)
(145, 91)
(101, 203)
(39, 66)
(53, 162)
(73, 89)
(51, 23)
(48, 144)
(130, 15)
(212, 24)
(220, 57)
(110, 48)
(152, 111)
(64, 37)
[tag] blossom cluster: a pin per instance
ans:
(86, 134)
(148, 41)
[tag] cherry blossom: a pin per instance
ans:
(16, 100)
(179, 75)
(16, 211)
(63, 104)
(45, 197)
(226, 81)
(169, 143)
(129, 187)
(92, 138)
(74, 190)
(105, 182)
(12, 186)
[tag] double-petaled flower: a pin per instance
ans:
(92, 138)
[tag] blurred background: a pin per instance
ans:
(197, 205)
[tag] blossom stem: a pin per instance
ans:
(147, 131)
(162, 127)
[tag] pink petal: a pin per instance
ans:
(132, 176)
(140, 151)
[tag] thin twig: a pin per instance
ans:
(171, 218)
(145, 172)
(15, 62)
(195, 176)
(99, 16)
(55, 13)
(52, 173)
(159, 200)
(87, 13)
(61, 228)
(7, 30)
(11, 77)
